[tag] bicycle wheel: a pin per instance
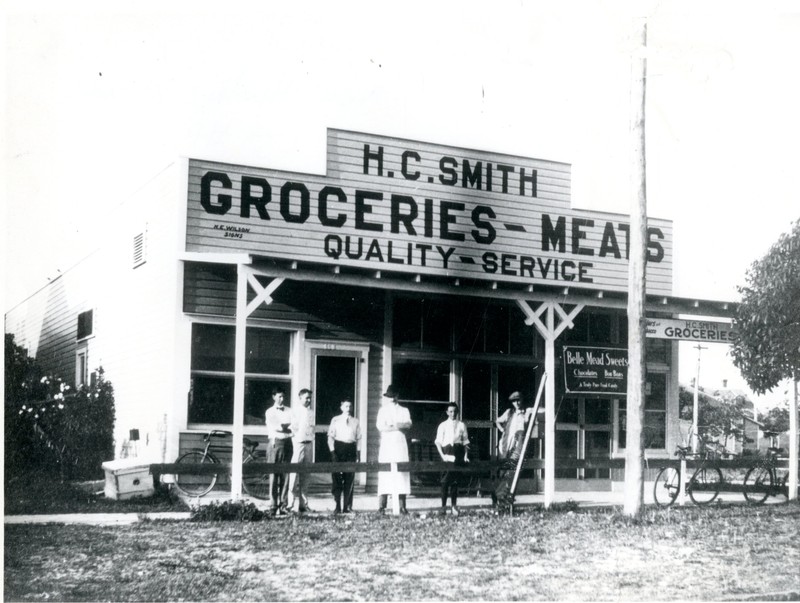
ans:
(195, 485)
(757, 485)
(667, 485)
(705, 485)
(257, 484)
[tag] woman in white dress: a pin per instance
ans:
(393, 421)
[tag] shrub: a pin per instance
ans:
(50, 426)
(568, 506)
(227, 511)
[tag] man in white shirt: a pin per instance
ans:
(344, 436)
(452, 443)
(278, 419)
(302, 442)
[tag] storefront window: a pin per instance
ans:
(655, 414)
(267, 364)
(595, 327)
(438, 325)
(657, 350)
(407, 323)
(422, 380)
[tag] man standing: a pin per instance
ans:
(279, 450)
(512, 427)
(452, 443)
(344, 436)
(392, 423)
(302, 441)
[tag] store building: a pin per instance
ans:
(455, 274)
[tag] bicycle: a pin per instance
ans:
(703, 487)
(762, 480)
(196, 485)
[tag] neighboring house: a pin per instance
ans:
(454, 274)
(750, 436)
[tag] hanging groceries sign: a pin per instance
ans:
(390, 204)
(690, 330)
(596, 371)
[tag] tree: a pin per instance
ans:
(51, 425)
(775, 420)
(767, 348)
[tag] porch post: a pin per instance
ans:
(550, 332)
(550, 411)
(238, 381)
(245, 276)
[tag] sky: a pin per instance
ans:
(100, 97)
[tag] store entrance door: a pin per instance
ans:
(583, 431)
(336, 376)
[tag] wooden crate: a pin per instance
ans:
(128, 478)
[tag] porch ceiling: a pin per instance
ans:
(444, 285)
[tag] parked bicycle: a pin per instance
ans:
(762, 480)
(197, 485)
(703, 487)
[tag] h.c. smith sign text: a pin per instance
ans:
(391, 204)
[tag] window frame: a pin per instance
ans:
(78, 337)
(618, 451)
(82, 371)
(296, 331)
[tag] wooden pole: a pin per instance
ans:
(634, 451)
(550, 411)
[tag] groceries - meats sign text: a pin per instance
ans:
(390, 204)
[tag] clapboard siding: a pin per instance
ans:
(134, 314)
(346, 158)
(46, 323)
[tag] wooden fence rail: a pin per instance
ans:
(254, 468)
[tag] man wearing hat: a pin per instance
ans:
(393, 421)
(512, 425)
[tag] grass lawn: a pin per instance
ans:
(725, 552)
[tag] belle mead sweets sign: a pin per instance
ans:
(399, 205)
(594, 370)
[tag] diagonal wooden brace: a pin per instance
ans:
(263, 294)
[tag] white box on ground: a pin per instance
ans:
(128, 478)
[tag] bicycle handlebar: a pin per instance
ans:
(249, 444)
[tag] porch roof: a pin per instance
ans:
(448, 285)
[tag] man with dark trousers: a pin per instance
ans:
(278, 419)
(344, 436)
(452, 443)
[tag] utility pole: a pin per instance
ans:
(696, 406)
(634, 449)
